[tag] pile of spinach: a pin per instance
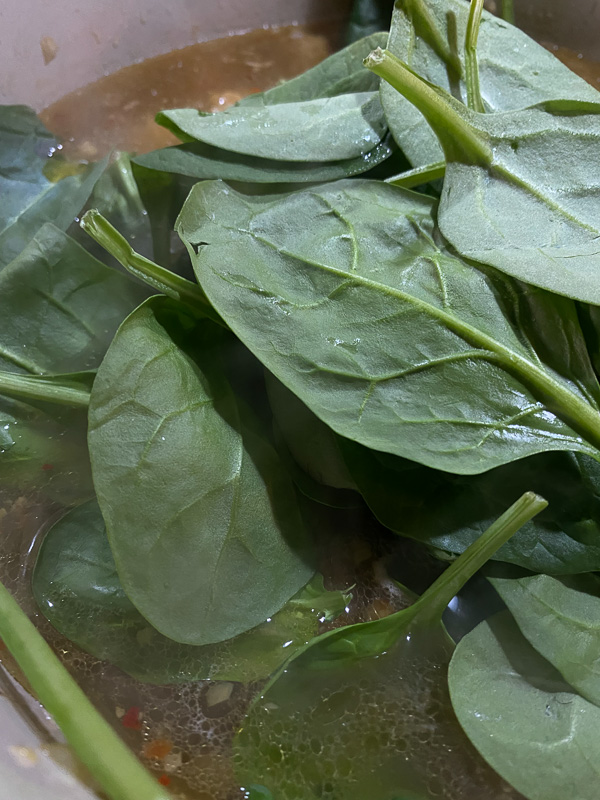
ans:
(323, 336)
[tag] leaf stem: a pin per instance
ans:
(50, 388)
(159, 278)
(431, 605)
(427, 29)
(419, 175)
(109, 760)
(459, 140)
(474, 99)
(508, 11)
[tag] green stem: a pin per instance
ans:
(427, 29)
(108, 759)
(459, 140)
(419, 175)
(159, 278)
(474, 99)
(53, 389)
(431, 605)
(508, 11)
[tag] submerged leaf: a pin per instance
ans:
(76, 586)
(325, 129)
(215, 547)
(533, 728)
(345, 294)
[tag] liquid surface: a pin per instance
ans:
(117, 112)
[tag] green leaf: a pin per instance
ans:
(325, 129)
(202, 521)
(533, 728)
(363, 710)
(59, 306)
(341, 73)
(76, 585)
(344, 293)
(449, 512)
(28, 198)
(204, 162)
(514, 70)
(530, 214)
(563, 625)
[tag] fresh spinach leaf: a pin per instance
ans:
(531, 726)
(449, 512)
(28, 198)
(202, 522)
(345, 294)
(369, 16)
(538, 228)
(59, 306)
(76, 586)
(514, 70)
(326, 129)
(201, 161)
(341, 73)
(563, 625)
(353, 712)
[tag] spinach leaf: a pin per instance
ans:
(202, 522)
(76, 586)
(59, 307)
(345, 294)
(28, 198)
(356, 709)
(533, 728)
(369, 16)
(538, 228)
(341, 73)
(449, 512)
(514, 71)
(563, 625)
(325, 129)
(203, 162)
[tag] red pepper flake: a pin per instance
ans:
(132, 718)
(158, 748)
(47, 466)
(164, 780)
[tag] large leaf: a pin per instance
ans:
(450, 511)
(514, 70)
(345, 295)
(202, 521)
(325, 129)
(201, 161)
(60, 307)
(76, 585)
(341, 73)
(532, 727)
(363, 711)
(28, 198)
(563, 625)
(527, 182)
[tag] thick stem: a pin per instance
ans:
(431, 605)
(474, 99)
(508, 11)
(109, 760)
(159, 278)
(459, 140)
(427, 29)
(419, 175)
(50, 389)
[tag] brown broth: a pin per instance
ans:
(117, 111)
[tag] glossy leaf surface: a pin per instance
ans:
(325, 129)
(214, 547)
(527, 722)
(514, 70)
(76, 585)
(563, 625)
(344, 293)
